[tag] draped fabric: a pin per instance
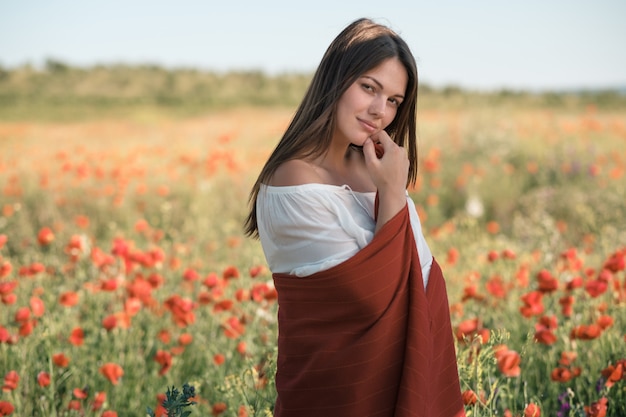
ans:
(365, 338)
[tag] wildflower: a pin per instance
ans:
(547, 282)
(596, 287)
(218, 359)
(185, 339)
(181, 309)
(597, 409)
(218, 408)
(533, 304)
(469, 397)
(77, 337)
(614, 373)
(98, 400)
(164, 359)
(495, 286)
(109, 322)
(43, 379)
(586, 332)
(68, 299)
(233, 328)
(6, 408)
(45, 236)
(493, 227)
(230, 272)
(81, 393)
(604, 322)
(470, 330)
(566, 303)
(112, 371)
(37, 306)
(60, 360)
(532, 410)
(508, 361)
(256, 270)
(492, 256)
(109, 413)
(191, 275)
(11, 379)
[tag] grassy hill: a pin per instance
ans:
(60, 91)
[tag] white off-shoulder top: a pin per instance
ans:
(309, 228)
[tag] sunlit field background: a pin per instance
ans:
(124, 270)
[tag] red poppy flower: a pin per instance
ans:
(11, 380)
(233, 328)
(164, 359)
(3, 240)
(45, 236)
(5, 269)
(586, 332)
(191, 275)
(112, 371)
(230, 272)
(495, 286)
(99, 400)
(596, 287)
(109, 413)
(77, 337)
(81, 393)
(6, 408)
(508, 361)
(218, 408)
(567, 303)
(492, 256)
(562, 374)
(181, 309)
(616, 262)
(469, 397)
(257, 270)
(604, 322)
(68, 299)
(22, 315)
(547, 282)
(37, 306)
(567, 358)
(109, 322)
(7, 287)
(532, 410)
(74, 405)
(533, 304)
(218, 359)
(185, 339)
(597, 409)
(43, 379)
(614, 373)
(60, 360)
(470, 330)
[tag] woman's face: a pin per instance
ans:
(371, 103)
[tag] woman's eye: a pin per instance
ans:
(368, 87)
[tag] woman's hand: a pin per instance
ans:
(389, 174)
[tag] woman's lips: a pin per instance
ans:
(370, 127)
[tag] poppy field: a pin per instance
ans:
(124, 270)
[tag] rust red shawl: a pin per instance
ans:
(364, 339)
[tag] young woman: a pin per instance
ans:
(344, 243)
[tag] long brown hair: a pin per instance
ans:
(361, 46)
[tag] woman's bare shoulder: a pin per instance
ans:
(295, 172)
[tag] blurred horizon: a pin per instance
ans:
(485, 45)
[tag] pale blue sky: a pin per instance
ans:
(480, 44)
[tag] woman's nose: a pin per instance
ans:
(378, 106)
